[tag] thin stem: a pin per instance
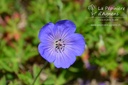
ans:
(39, 72)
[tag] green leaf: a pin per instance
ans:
(73, 69)
(61, 79)
(3, 81)
(36, 70)
(49, 81)
(26, 78)
(125, 67)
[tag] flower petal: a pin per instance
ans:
(47, 32)
(47, 52)
(64, 60)
(65, 27)
(75, 43)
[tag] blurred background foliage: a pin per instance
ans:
(104, 62)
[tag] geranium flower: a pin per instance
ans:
(59, 44)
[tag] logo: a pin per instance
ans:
(92, 9)
(105, 11)
(110, 13)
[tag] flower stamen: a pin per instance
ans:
(59, 45)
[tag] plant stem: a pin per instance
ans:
(39, 72)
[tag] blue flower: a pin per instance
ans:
(59, 44)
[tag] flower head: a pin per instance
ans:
(59, 44)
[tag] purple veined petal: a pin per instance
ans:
(52, 37)
(71, 57)
(47, 52)
(75, 43)
(64, 60)
(47, 32)
(65, 27)
(57, 61)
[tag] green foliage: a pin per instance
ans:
(4, 5)
(3, 81)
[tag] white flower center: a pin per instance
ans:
(59, 45)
